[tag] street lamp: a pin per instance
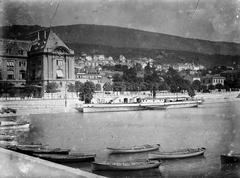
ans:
(65, 97)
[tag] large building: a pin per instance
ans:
(13, 61)
(50, 60)
(40, 61)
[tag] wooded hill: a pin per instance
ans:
(132, 43)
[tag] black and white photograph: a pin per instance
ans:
(119, 88)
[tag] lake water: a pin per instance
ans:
(215, 126)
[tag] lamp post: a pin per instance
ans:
(65, 97)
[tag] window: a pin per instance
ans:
(22, 74)
(59, 74)
(20, 51)
(9, 51)
(59, 62)
(10, 63)
(10, 74)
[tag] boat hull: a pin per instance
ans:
(58, 158)
(179, 154)
(31, 151)
(123, 167)
(134, 149)
(4, 143)
(15, 126)
(230, 158)
(7, 137)
(184, 104)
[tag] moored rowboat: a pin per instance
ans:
(4, 143)
(6, 125)
(7, 137)
(178, 154)
(134, 149)
(41, 150)
(126, 166)
(231, 158)
(70, 158)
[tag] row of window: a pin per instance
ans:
(88, 76)
(213, 81)
(9, 51)
(12, 63)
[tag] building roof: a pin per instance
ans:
(209, 76)
(9, 47)
(47, 40)
(230, 72)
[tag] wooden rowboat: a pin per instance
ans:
(41, 150)
(4, 143)
(134, 149)
(6, 125)
(7, 137)
(231, 158)
(178, 154)
(126, 166)
(70, 158)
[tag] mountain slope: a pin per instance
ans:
(131, 38)
(116, 41)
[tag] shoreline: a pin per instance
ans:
(51, 106)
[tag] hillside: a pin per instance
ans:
(131, 38)
(114, 41)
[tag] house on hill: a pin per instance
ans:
(212, 79)
(231, 75)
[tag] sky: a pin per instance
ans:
(215, 20)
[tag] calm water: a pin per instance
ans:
(212, 125)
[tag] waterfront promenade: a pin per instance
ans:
(45, 106)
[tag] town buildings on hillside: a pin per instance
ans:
(48, 59)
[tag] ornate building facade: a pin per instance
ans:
(42, 60)
(50, 60)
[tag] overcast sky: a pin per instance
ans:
(216, 20)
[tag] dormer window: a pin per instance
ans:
(20, 51)
(9, 51)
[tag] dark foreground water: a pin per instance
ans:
(215, 126)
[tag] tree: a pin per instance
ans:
(119, 86)
(52, 87)
(163, 86)
(129, 75)
(196, 85)
(219, 86)
(7, 88)
(98, 87)
(191, 92)
(79, 86)
(86, 93)
(107, 87)
(71, 87)
(117, 77)
(211, 87)
(29, 90)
